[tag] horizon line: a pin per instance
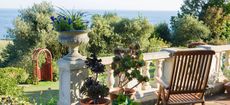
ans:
(102, 9)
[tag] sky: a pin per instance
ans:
(154, 5)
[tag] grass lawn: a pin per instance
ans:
(44, 93)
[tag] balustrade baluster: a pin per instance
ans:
(159, 66)
(145, 72)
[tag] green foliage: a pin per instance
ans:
(127, 63)
(156, 44)
(10, 100)
(52, 101)
(32, 29)
(192, 7)
(123, 100)
(214, 13)
(19, 74)
(215, 18)
(69, 20)
(134, 30)
(8, 86)
(227, 73)
(110, 31)
(186, 29)
(162, 30)
(102, 36)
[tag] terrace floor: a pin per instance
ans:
(218, 99)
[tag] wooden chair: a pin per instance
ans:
(188, 79)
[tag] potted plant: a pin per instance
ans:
(72, 30)
(92, 88)
(127, 64)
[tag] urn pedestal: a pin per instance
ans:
(72, 71)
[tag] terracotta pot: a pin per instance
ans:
(227, 87)
(117, 90)
(114, 92)
(89, 101)
(130, 93)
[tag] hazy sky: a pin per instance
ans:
(100, 4)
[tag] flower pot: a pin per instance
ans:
(130, 93)
(114, 92)
(88, 101)
(227, 87)
(73, 39)
(117, 90)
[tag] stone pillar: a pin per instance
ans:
(72, 75)
(72, 71)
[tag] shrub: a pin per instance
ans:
(188, 29)
(156, 44)
(102, 36)
(8, 86)
(10, 100)
(162, 30)
(110, 31)
(136, 30)
(19, 74)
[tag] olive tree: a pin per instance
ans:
(31, 29)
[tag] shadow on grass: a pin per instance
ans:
(42, 97)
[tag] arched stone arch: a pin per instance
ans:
(46, 70)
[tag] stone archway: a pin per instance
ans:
(46, 70)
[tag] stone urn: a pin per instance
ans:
(73, 39)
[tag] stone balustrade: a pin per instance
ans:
(163, 66)
(72, 72)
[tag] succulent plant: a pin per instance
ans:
(127, 62)
(92, 88)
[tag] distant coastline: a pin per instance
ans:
(8, 15)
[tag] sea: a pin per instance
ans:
(7, 16)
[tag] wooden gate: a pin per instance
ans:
(46, 71)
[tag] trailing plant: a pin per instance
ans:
(92, 88)
(123, 100)
(69, 20)
(127, 64)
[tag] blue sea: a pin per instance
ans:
(7, 17)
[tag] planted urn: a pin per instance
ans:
(92, 88)
(73, 31)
